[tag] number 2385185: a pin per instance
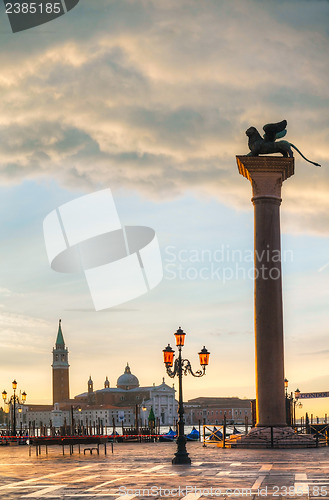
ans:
(33, 8)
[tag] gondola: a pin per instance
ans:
(194, 435)
(169, 437)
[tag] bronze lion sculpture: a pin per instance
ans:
(266, 145)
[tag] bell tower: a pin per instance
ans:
(61, 391)
(91, 396)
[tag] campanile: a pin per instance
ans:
(61, 390)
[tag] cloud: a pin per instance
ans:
(156, 97)
(323, 352)
(26, 333)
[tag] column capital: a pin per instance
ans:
(266, 174)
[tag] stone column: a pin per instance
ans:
(266, 174)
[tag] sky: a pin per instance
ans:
(152, 99)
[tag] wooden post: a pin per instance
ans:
(224, 432)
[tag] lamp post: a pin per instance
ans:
(143, 416)
(12, 401)
(288, 403)
(286, 386)
(296, 403)
(180, 367)
(291, 403)
(72, 417)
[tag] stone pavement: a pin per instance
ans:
(143, 471)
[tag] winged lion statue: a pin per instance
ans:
(267, 145)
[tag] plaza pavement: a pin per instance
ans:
(134, 467)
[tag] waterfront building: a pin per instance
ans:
(60, 415)
(122, 404)
(101, 408)
(212, 410)
(128, 393)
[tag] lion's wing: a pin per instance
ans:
(274, 130)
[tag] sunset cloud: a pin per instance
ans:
(157, 96)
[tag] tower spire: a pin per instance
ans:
(60, 338)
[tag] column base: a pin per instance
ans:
(272, 437)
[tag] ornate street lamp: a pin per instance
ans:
(180, 367)
(296, 403)
(286, 386)
(72, 416)
(291, 403)
(289, 416)
(12, 401)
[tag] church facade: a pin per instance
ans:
(128, 393)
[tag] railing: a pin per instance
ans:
(320, 432)
(221, 436)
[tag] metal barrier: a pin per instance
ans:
(70, 441)
(221, 437)
(321, 432)
(218, 434)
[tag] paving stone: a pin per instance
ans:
(215, 473)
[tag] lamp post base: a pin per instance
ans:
(181, 459)
(181, 456)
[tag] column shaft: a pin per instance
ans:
(268, 313)
(266, 174)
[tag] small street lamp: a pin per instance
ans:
(180, 367)
(72, 417)
(291, 403)
(296, 403)
(12, 401)
(287, 401)
(286, 386)
(141, 414)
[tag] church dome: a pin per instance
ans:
(127, 380)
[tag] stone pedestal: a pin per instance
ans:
(266, 174)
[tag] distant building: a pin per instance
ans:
(33, 416)
(61, 390)
(121, 405)
(60, 415)
(104, 407)
(128, 393)
(212, 410)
